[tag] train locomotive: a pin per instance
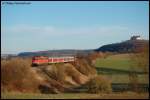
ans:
(43, 60)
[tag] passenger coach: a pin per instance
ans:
(43, 60)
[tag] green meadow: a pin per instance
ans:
(120, 63)
(118, 67)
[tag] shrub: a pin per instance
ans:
(16, 75)
(99, 84)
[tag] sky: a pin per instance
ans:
(51, 25)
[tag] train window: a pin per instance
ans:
(71, 58)
(68, 58)
(65, 59)
(50, 59)
(44, 58)
(35, 58)
(39, 58)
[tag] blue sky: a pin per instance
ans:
(51, 25)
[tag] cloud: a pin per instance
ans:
(112, 29)
(27, 29)
(95, 30)
(56, 31)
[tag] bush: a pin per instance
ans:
(99, 84)
(16, 75)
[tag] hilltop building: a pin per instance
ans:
(135, 37)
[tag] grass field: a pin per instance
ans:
(115, 78)
(118, 67)
(75, 96)
(117, 63)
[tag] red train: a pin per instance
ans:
(43, 60)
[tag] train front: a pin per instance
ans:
(39, 60)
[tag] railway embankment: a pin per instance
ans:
(19, 75)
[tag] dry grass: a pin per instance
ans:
(83, 66)
(78, 77)
(99, 84)
(16, 75)
(76, 96)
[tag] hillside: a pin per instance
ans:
(124, 47)
(64, 52)
(19, 76)
(135, 44)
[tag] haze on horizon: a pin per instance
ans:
(48, 25)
